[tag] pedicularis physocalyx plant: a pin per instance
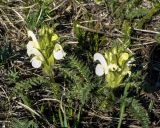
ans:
(44, 50)
(115, 65)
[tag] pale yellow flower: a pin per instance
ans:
(54, 37)
(123, 57)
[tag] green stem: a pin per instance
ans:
(121, 114)
(123, 105)
(78, 117)
(112, 95)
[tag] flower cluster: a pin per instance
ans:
(44, 49)
(115, 64)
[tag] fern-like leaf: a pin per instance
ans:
(136, 13)
(28, 83)
(139, 113)
(23, 124)
(82, 69)
(81, 79)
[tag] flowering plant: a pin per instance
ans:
(115, 64)
(45, 50)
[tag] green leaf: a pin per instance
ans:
(139, 113)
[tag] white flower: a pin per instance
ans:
(34, 41)
(32, 46)
(36, 62)
(101, 68)
(58, 52)
(33, 49)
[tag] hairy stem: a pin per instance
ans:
(123, 105)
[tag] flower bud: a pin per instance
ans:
(123, 57)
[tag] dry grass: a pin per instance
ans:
(19, 15)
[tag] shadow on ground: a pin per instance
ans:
(152, 79)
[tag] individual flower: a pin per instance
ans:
(123, 57)
(33, 49)
(58, 52)
(101, 68)
(54, 37)
(34, 41)
(36, 61)
(32, 46)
